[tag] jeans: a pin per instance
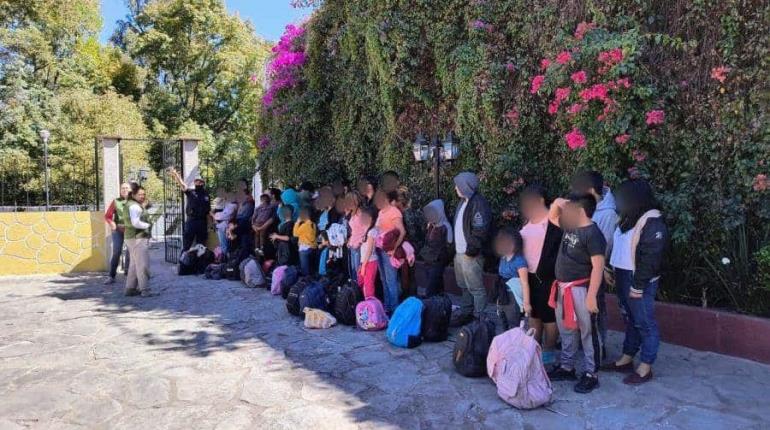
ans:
(354, 262)
(639, 317)
(117, 249)
(469, 272)
(601, 318)
(194, 231)
(306, 262)
(222, 236)
(391, 285)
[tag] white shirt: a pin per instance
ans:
(373, 233)
(621, 257)
(135, 213)
(460, 244)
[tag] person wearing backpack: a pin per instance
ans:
(638, 248)
(138, 242)
(435, 252)
(472, 230)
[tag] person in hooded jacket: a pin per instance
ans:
(472, 232)
(592, 182)
(435, 253)
(638, 248)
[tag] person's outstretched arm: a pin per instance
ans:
(178, 178)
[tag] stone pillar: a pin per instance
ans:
(190, 166)
(110, 181)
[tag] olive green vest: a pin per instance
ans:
(133, 232)
(121, 212)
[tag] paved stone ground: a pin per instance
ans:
(205, 354)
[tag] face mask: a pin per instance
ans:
(199, 188)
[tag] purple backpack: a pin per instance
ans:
(275, 283)
(370, 315)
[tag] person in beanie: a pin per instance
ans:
(472, 228)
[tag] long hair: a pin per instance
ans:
(134, 191)
(634, 198)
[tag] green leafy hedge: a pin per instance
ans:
(686, 105)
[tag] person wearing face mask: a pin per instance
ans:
(116, 217)
(198, 210)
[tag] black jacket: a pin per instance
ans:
(436, 248)
(477, 224)
(650, 251)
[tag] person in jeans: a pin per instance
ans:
(605, 217)
(116, 217)
(389, 218)
(358, 228)
(305, 235)
(579, 271)
(638, 246)
(472, 228)
(138, 242)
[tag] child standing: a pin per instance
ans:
(285, 249)
(261, 222)
(367, 273)
(305, 233)
(579, 271)
(514, 298)
(435, 252)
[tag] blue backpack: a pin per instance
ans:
(314, 296)
(404, 327)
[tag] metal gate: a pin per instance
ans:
(173, 201)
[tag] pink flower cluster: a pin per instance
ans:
(289, 57)
(575, 139)
(513, 116)
(655, 117)
(583, 28)
(595, 92)
(622, 139)
(720, 73)
(609, 59)
(564, 57)
(544, 63)
(537, 82)
(760, 183)
(264, 142)
(481, 25)
(562, 94)
(579, 77)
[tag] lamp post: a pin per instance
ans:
(437, 151)
(45, 135)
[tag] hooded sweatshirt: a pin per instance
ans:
(473, 219)
(438, 234)
(605, 216)
(289, 197)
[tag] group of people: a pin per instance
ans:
(554, 270)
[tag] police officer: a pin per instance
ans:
(197, 211)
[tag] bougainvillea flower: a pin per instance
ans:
(638, 155)
(575, 139)
(510, 67)
(537, 82)
(623, 83)
(596, 92)
(583, 28)
(512, 116)
(553, 107)
(575, 109)
(760, 183)
(264, 142)
(622, 138)
(562, 94)
(720, 73)
(564, 57)
(611, 57)
(579, 77)
(655, 117)
(544, 63)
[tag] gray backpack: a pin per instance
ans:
(251, 273)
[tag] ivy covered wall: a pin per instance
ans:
(675, 91)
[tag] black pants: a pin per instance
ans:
(435, 279)
(194, 232)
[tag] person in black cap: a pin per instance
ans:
(197, 211)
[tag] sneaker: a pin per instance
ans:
(131, 292)
(459, 320)
(562, 374)
(109, 281)
(588, 382)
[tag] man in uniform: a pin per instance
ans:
(197, 211)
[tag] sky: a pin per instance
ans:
(269, 17)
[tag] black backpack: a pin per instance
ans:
(188, 263)
(303, 281)
(471, 347)
(314, 297)
(232, 266)
(295, 292)
(348, 296)
(436, 314)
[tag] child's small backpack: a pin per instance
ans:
(251, 273)
(316, 318)
(314, 296)
(404, 327)
(515, 364)
(370, 315)
(436, 315)
(292, 299)
(472, 346)
(275, 283)
(347, 297)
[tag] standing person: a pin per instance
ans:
(389, 181)
(305, 235)
(197, 210)
(542, 240)
(138, 242)
(367, 270)
(579, 271)
(116, 218)
(639, 243)
(605, 217)
(389, 218)
(306, 193)
(282, 238)
(289, 197)
(472, 228)
(223, 217)
(358, 228)
(366, 187)
(435, 252)
(243, 218)
(263, 219)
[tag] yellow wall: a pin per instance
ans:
(51, 242)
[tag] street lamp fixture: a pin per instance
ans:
(437, 151)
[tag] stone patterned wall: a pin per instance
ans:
(51, 242)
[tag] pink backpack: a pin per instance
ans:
(370, 315)
(515, 364)
(275, 283)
